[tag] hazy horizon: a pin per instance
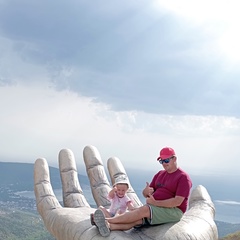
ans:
(225, 197)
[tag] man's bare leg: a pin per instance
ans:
(132, 216)
(124, 226)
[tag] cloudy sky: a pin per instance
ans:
(128, 77)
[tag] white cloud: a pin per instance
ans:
(136, 59)
(76, 86)
(227, 202)
(37, 122)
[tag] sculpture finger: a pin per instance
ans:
(72, 191)
(116, 169)
(98, 180)
(45, 197)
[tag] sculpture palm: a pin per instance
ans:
(71, 221)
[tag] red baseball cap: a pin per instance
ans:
(165, 153)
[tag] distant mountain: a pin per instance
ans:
(225, 229)
(20, 176)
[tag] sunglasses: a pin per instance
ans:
(167, 160)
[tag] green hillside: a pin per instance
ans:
(232, 236)
(17, 223)
(20, 225)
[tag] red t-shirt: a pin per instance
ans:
(168, 185)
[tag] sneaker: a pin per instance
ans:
(92, 219)
(101, 223)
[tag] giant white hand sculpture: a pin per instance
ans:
(72, 222)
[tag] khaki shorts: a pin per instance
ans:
(159, 215)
